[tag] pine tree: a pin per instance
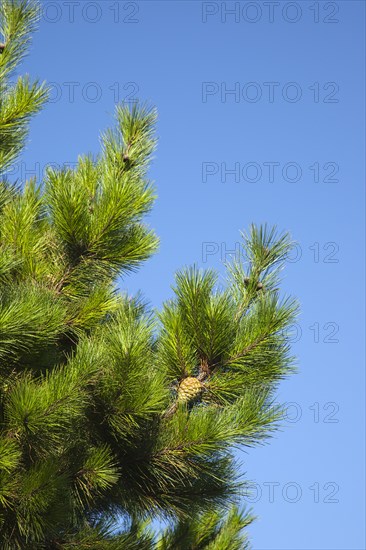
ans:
(112, 414)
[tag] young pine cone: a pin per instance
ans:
(2, 47)
(259, 284)
(189, 389)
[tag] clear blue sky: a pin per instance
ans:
(297, 73)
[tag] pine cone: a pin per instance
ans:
(259, 284)
(2, 47)
(189, 389)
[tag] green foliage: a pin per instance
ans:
(18, 103)
(93, 431)
(208, 531)
(96, 210)
(30, 317)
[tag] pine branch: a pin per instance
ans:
(18, 103)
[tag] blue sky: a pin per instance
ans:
(273, 92)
